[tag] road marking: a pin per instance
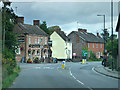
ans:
(78, 80)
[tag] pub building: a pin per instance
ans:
(33, 41)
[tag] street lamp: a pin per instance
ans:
(104, 32)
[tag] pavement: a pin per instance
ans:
(106, 71)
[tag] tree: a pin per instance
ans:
(115, 47)
(9, 38)
(43, 26)
(54, 28)
(105, 35)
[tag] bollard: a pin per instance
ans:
(63, 64)
(82, 60)
(85, 60)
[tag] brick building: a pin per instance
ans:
(82, 38)
(33, 40)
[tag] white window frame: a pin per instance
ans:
(101, 45)
(29, 40)
(45, 40)
(96, 45)
(35, 40)
(19, 52)
(88, 45)
(41, 40)
(38, 40)
(36, 52)
(93, 45)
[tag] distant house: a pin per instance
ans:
(33, 40)
(82, 38)
(61, 46)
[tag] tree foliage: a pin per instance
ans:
(9, 19)
(105, 35)
(43, 26)
(115, 47)
(54, 28)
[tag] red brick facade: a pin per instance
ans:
(31, 50)
(97, 48)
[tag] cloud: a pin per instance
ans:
(66, 14)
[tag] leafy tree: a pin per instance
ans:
(43, 26)
(54, 28)
(105, 35)
(115, 47)
(8, 21)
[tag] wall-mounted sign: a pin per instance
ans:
(50, 43)
(34, 45)
(21, 38)
(74, 54)
(45, 46)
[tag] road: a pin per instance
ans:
(75, 75)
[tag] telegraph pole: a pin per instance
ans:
(112, 29)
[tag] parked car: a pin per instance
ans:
(55, 60)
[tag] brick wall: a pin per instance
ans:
(19, 57)
(97, 48)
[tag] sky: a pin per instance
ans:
(68, 15)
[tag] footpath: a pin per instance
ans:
(106, 71)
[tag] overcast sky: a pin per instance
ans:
(67, 14)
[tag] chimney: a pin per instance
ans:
(85, 30)
(36, 22)
(98, 34)
(82, 30)
(20, 20)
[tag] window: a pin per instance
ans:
(93, 45)
(35, 52)
(101, 45)
(88, 45)
(38, 41)
(41, 39)
(96, 45)
(45, 40)
(29, 40)
(18, 51)
(101, 53)
(35, 40)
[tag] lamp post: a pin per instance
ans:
(104, 32)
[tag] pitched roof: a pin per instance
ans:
(62, 35)
(118, 24)
(30, 29)
(89, 37)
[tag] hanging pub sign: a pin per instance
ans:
(50, 43)
(34, 45)
(45, 46)
(20, 38)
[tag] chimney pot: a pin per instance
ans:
(20, 20)
(98, 34)
(36, 22)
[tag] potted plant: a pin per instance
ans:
(29, 61)
(22, 48)
(36, 60)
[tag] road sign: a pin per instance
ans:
(74, 54)
(84, 53)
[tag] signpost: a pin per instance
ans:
(84, 55)
(74, 54)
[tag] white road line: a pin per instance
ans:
(78, 80)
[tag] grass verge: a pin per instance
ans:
(8, 79)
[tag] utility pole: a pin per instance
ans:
(112, 29)
(4, 22)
